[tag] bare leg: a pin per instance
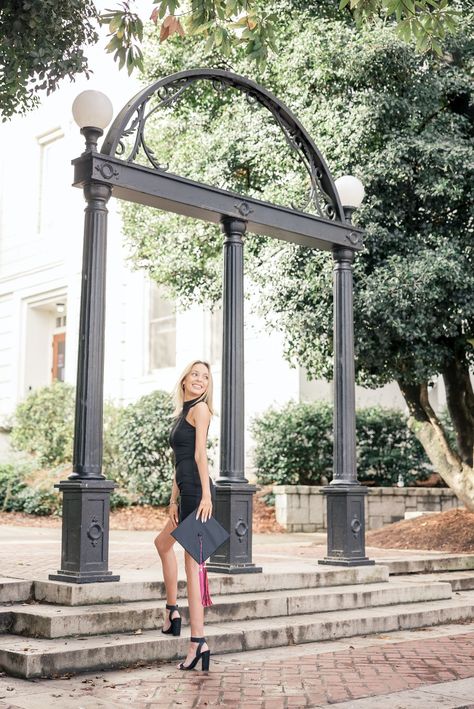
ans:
(196, 610)
(164, 544)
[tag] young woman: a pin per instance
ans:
(193, 399)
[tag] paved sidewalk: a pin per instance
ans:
(432, 668)
(35, 552)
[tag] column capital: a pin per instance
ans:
(231, 226)
(343, 254)
(97, 191)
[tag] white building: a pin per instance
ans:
(147, 342)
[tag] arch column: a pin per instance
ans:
(86, 494)
(345, 495)
(234, 494)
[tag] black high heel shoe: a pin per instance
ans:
(206, 656)
(175, 627)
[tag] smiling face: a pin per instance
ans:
(196, 382)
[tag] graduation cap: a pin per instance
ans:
(201, 539)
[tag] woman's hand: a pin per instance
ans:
(173, 513)
(205, 508)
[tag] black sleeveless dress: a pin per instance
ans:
(182, 440)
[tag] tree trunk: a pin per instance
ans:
(460, 401)
(456, 472)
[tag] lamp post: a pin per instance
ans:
(86, 493)
(345, 496)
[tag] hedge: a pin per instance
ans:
(294, 446)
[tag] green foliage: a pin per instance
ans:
(23, 488)
(11, 484)
(253, 26)
(39, 496)
(126, 32)
(386, 448)
(401, 122)
(294, 446)
(42, 41)
(34, 60)
(43, 424)
(145, 459)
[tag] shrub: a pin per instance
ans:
(145, 459)
(23, 488)
(44, 424)
(294, 446)
(39, 496)
(386, 448)
(11, 484)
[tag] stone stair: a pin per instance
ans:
(60, 628)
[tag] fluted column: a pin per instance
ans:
(86, 493)
(234, 494)
(232, 450)
(345, 496)
(87, 460)
(344, 470)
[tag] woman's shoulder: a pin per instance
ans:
(201, 409)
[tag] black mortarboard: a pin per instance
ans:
(191, 532)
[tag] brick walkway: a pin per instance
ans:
(306, 677)
(326, 679)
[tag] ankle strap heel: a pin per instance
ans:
(175, 627)
(204, 656)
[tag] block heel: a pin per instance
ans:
(175, 627)
(205, 656)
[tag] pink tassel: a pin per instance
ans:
(203, 583)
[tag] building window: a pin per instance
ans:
(215, 341)
(162, 352)
(53, 179)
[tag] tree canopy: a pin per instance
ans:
(400, 121)
(43, 41)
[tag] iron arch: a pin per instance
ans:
(131, 122)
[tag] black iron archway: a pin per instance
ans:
(113, 172)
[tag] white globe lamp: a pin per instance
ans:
(92, 111)
(351, 193)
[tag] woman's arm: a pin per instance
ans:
(202, 417)
(173, 506)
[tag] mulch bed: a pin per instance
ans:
(450, 531)
(147, 518)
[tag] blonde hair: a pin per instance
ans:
(177, 394)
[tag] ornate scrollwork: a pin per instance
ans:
(356, 526)
(241, 529)
(355, 239)
(107, 170)
(95, 531)
(243, 208)
(132, 121)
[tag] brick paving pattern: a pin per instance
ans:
(327, 679)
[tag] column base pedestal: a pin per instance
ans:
(85, 531)
(234, 505)
(346, 526)
(83, 578)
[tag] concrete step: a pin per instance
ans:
(459, 580)
(44, 658)
(52, 621)
(426, 564)
(15, 590)
(70, 594)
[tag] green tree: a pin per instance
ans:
(43, 41)
(401, 122)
